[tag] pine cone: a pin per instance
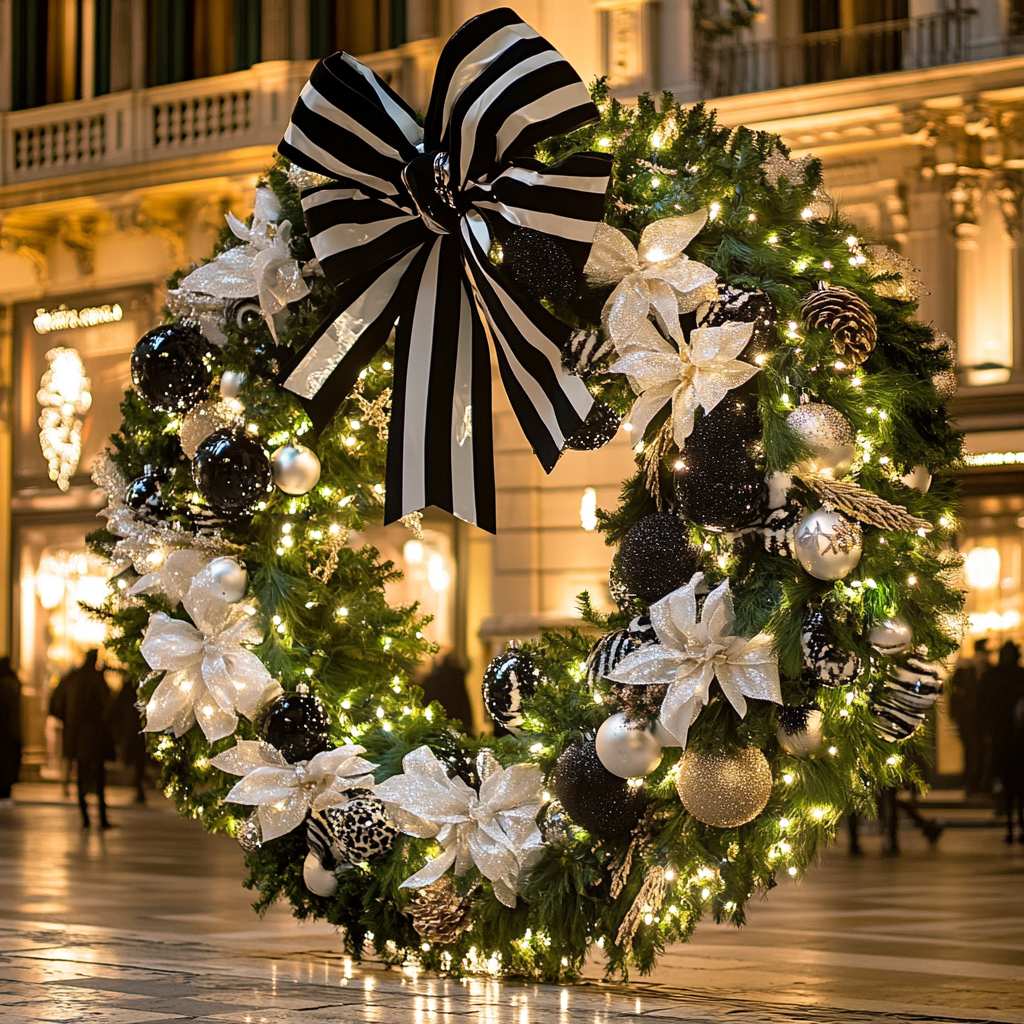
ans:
(847, 316)
(439, 913)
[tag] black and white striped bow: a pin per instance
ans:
(405, 232)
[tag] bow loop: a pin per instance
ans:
(404, 234)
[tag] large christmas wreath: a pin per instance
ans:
(785, 589)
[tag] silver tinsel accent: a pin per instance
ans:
(249, 834)
(945, 383)
(904, 279)
(301, 179)
(779, 166)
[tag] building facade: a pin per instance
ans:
(128, 128)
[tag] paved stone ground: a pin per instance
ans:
(148, 922)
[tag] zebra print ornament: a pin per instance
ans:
(509, 678)
(899, 705)
(825, 660)
(608, 652)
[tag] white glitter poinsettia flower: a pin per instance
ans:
(495, 829)
(656, 276)
(262, 267)
(210, 677)
(281, 792)
(694, 652)
(175, 575)
(699, 373)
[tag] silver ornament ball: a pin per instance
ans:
(892, 636)
(805, 741)
(827, 544)
(828, 434)
(919, 478)
(230, 577)
(625, 749)
(296, 469)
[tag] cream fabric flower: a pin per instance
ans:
(699, 373)
(656, 276)
(694, 652)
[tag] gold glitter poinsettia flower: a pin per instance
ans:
(699, 373)
(656, 276)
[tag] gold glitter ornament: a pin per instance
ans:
(945, 384)
(204, 419)
(724, 790)
(828, 434)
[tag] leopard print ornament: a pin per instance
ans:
(350, 833)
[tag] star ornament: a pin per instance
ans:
(695, 651)
(700, 373)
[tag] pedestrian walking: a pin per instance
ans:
(1003, 703)
(81, 702)
(10, 730)
(129, 738)
(965, 710)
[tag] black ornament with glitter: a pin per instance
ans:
(350, 833)
(540, 266)
(170, 367)
(721, 484)
(825, 659)
(657, 556)
(594, 798)
(778, 529)
(231, 472)
(145, 493)
(618, 591)
(744, 306)
(458, 761)
(510, 678)
(296, 724)
(600, 426)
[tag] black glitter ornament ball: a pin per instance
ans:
(600, 426)
(510, 678)
(350, 833)
(539, 265)
(825, 659)
(169, 368)
(720, 484)
(144, 494)
(657, 556)
(296, 724)
(743, 306)
(593, 797)
(232, 472)
(618, 591)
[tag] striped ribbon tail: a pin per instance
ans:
(405, 234)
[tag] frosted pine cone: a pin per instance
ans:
(439, 913)
(846, 315)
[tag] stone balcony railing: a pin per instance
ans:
(196, 118)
